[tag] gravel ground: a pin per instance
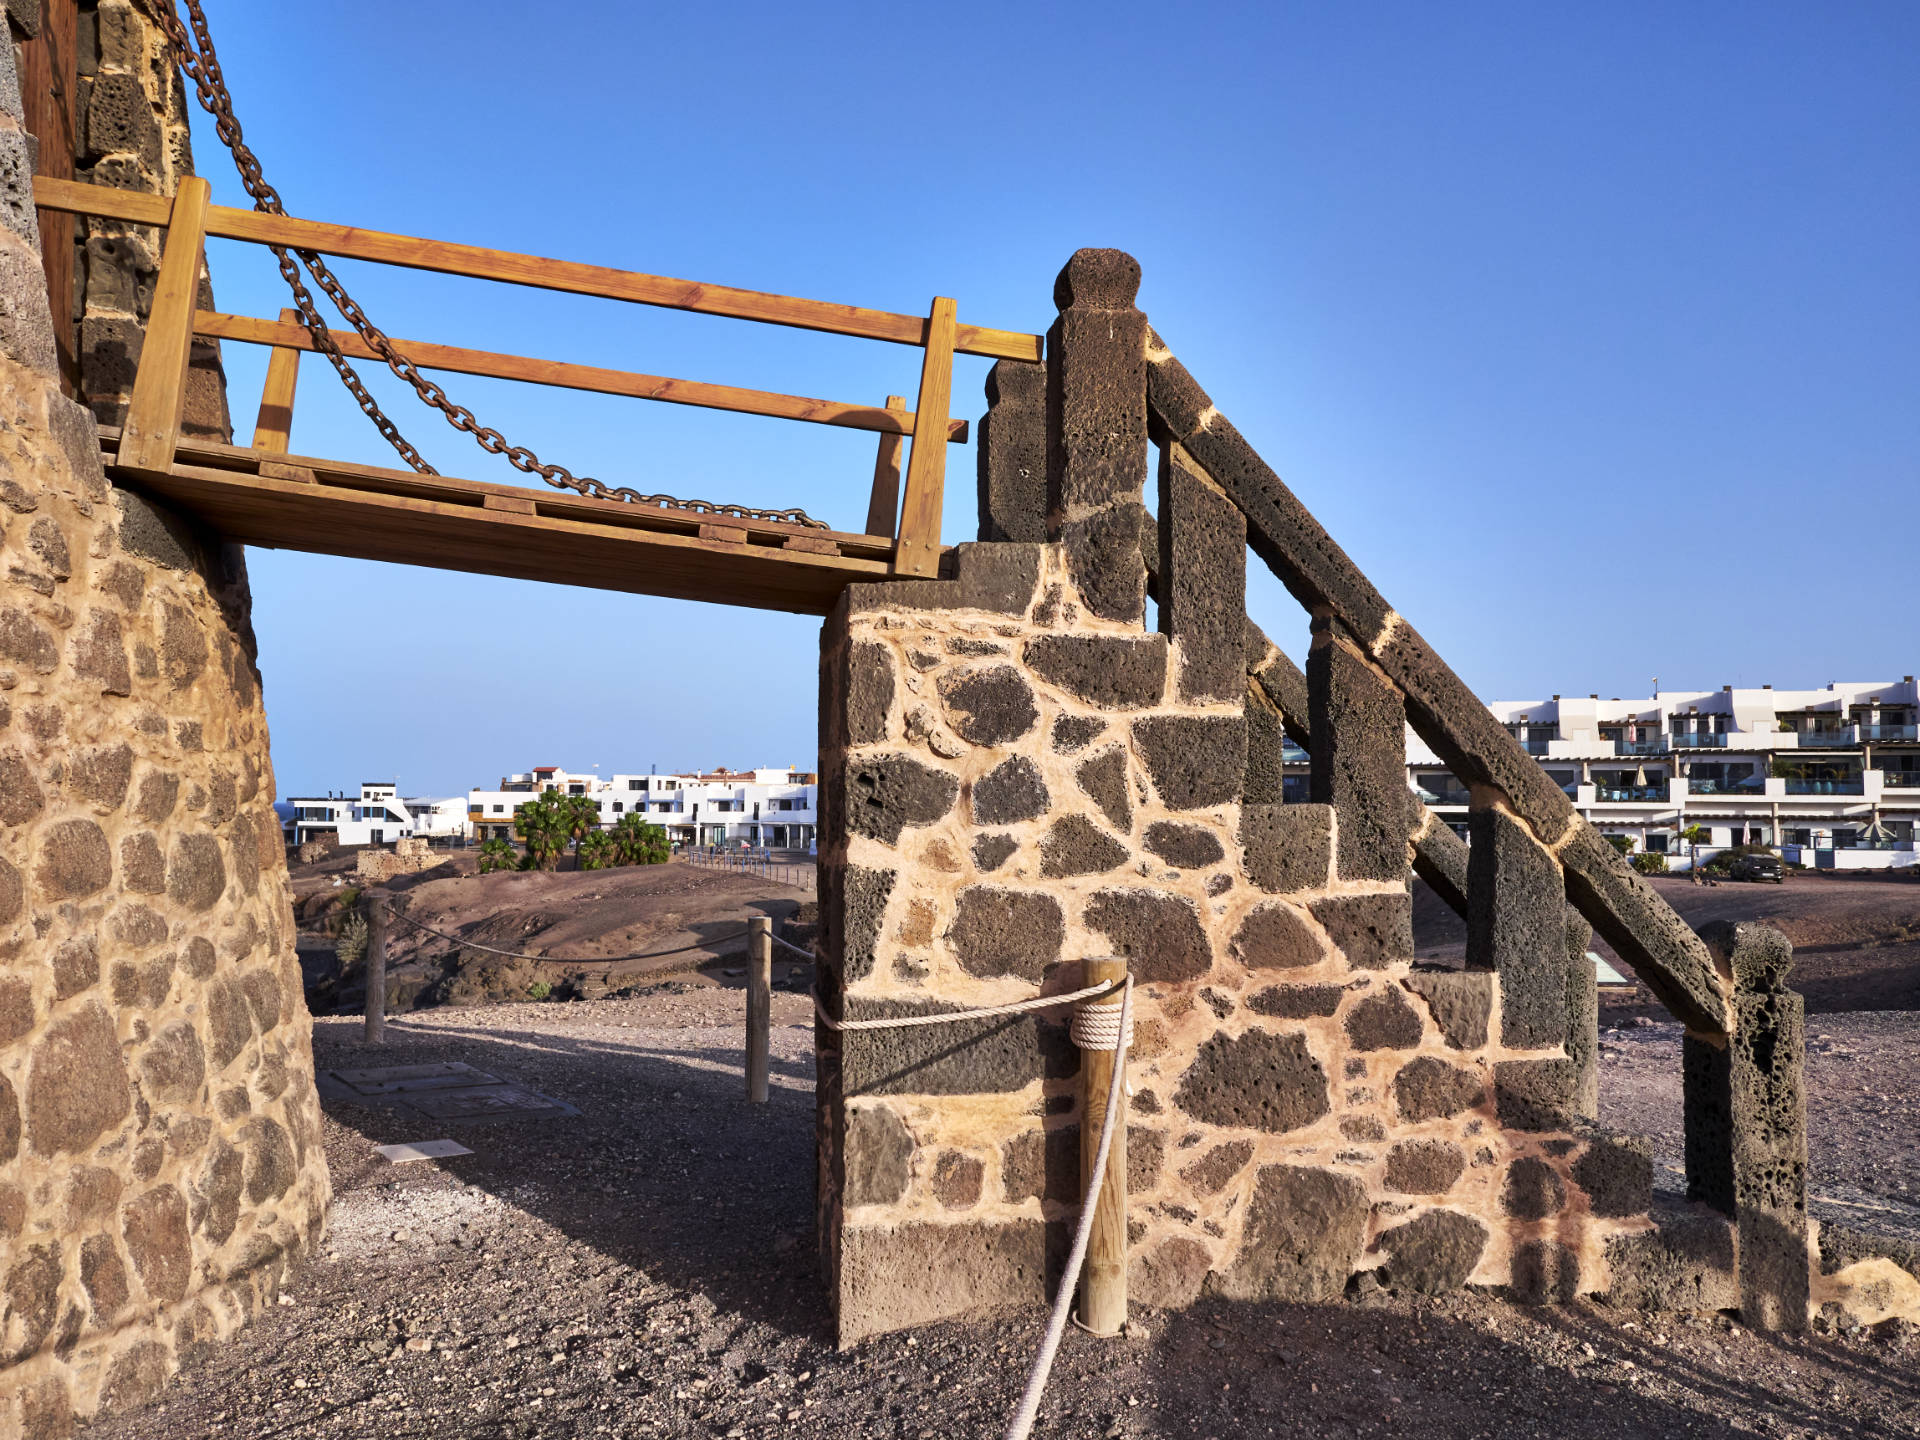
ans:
(646, 1270)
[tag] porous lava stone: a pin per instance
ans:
(1424, 1167)
(1533, 1191)
(1428, 1088)
(993, 706)
(1276, 937)
(1302, 1236)
(1372, 931)
(1194, 760)
(1076, 846)
(990, 852)
(1104, 779)
(1114, 672)
(888, 793)
(1383, 1022)
(1296, 1002)
(1434, 1253)
(1009, 793)
(1190, 847)
(1073, 733)
(1160, 934)
(1255, 1081)
(997, 931)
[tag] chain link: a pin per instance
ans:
(199, 61)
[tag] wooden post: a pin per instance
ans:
(759, 1003)
(1103, 1282)
(151, 430)
(885, 502)
(375, 1030)
(917, 552)
(271, 431)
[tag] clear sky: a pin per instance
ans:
(1593, 333)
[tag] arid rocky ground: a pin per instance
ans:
(646, 1269)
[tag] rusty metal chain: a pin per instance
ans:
(199, 61)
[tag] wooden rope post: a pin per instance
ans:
(274, 427)
(1103, 1282)
(759, 1004)
(885, 502)
(375, 1030)
(151, 431)
(917, 552)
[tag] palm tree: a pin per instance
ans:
(639, 843)
(546, 824)
(596, 851)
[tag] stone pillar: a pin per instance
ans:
(1202, 581)
(1012, 453)
(1765, 1065)
(1359, 755)
(1706, 1087)
(1097, 430)
(1583, 1018)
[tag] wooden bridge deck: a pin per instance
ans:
(296, 502)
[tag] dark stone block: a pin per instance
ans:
(1276, 937)
(1302, 1236)
(1428, 1088)
(1534, 1094)
(1706, 1088)
(1104, 779)
(864, 894)
(1006, 932)
(1114, 672)
(1202, 581)
(1545, 1272)
(1516, 927)
(1384, 1022)
(1265, 781)
(958, 1269)
(1296, 1002)
(1012, 453)
(1756, 955)
(1424, 1167)
(1583, 1016)
(1533, 1189)
(869, 692)
(965, 1057)
(885, 794)
(1169, 1276)
(1287, 848)
(1255, 1081)
(1616, 1171)
(1073, 733)
(1194, 760)
(993, 706)
(990, 852)
(1768, 1056)
(152, 532)
(1103, 556)
(1439, 856)
(878, 1150)
(1189, 847)
(1210, 1173)
(1460, 1002)
(1009, 793)
(1146, 1154)
(1372, 931)
(1042, 1165)
(1359, 756)
(1434, 1253)
(1161, 935)
(999, 578)
(1096, 387)
(1685, 1263)
(958, 1180)
(1076, 846)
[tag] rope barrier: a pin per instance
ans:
(562, 959)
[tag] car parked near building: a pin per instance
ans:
(1758, 868)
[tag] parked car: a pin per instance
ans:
(1758, 868)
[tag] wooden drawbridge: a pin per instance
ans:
(261, 495)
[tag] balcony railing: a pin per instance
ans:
(1648, 745)
(1853, 786)
(1901, 779)
(1441, 797)
(1627, 794)
(1845, 735)
(1535, 747)
(1889, 732)
(1725, 787)
(1702, 740)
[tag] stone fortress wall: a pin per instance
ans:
(160, 1160)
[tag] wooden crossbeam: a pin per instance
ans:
(160, 385)
(271, 431)
(298, 502)
(918, 549)
(884, 502)
(568, 376)
(477, 262)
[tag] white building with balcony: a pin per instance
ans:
(776, 808)
(1831, 777)
(376, 816)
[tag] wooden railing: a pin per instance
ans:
(151, 432)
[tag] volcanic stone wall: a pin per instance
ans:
(160, 1163)
(1015, 782)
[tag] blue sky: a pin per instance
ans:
(1593, 336)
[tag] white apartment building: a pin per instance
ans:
(377, 816)
(1831, 777)
(770, 807)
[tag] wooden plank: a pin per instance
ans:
(48, 85)
(884, 503)
(564, 504)
(918, 549)
(560, 373)
(479, 263)
(152, 427)
(759, 1004)
(274, 427)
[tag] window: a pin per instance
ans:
(636, 784)
(618, 806)
(576, 789)
(499, 809)
(1657, 843)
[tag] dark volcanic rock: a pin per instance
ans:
(1255, 1081)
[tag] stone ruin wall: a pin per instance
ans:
(1021, 783)
(160, 1160)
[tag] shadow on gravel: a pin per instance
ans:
(667, 1169)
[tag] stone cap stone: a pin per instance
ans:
(1098, 279)
(1759, 955)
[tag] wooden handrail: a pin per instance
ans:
(917, 549)
(294, 336)
(477, 262)
(151, 430)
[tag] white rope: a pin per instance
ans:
(787, 945)
(1022, 1423)
(1096, 1026)
(1044, 1002)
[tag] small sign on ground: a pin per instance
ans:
(423, 1150)
(451, 1092)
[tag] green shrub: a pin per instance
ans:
(598, 851)
(351, 941)
(1621, 843)
(539, 990)
(1650, 862)
(639, 843)
(498, 855)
